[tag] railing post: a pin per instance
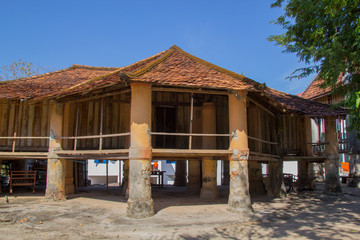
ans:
(101, 123)
(76, 125)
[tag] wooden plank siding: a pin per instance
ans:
(181, 102)
(116, 119)
(22, 119)
(261, 125)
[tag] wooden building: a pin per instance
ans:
(170, 106)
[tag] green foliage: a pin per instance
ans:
(18, 69)
(325, 34)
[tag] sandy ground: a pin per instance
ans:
(97, 214)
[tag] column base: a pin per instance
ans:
(193, 189)
(332, 189)
(240, 204)
(55, 195)
(209, 193)
(140, 209)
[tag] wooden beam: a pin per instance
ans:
(261, 106)
(180, 90)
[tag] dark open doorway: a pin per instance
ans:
(165, 122)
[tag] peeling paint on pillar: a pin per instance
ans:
(55, 183)
(140, 203)
(239, 197)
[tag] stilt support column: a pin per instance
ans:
(194, 184)
(332, 182)
(55, 183)
(239, 197)
(140, 203)
(209, 166)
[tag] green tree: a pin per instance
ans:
(18, 69)
(325, 34)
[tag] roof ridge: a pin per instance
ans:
(118, 70)
(312, 82)
(39, 75)
(78, 66)
(218, 68)
(74, 66)
(151, 65)
(175, 48)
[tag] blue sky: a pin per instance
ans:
(231, 34)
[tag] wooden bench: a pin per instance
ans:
(22, 178)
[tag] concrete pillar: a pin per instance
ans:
(239, 197)
(332, 182)
(0, 177)
(209, 166)
(125, 180)
(256, 185)
(69, 177)
(209, 186)
(276, 186)
(140, 203)
(354, 170)
(55, 183)
(226, 175)
(68, 127)
(304, 182)
(194, 176)
(180, 173)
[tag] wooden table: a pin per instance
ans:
(160, 177)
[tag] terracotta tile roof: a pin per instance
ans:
(172, 67)
(301, 105)
(181, 69)
(314, 90)
(43, 85)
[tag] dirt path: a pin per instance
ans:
(310, 215)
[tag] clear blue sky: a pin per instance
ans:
(230, 33)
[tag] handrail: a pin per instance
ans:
(101, 136)
(192, 134)
(96, 136)
(264, 141)
(24, 137)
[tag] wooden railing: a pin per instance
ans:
(100, 137)
(20, 138)
(191, 135)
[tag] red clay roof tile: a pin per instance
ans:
(172, 67)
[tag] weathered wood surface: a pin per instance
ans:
(23, 120)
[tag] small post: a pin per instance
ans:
(76, 176)
(16, 124)
(191, 118)
(101, 123)
(107, 175)
(76, 126)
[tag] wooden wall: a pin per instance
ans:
(292, 134)
(116, 119)
(261, 125)
(182, 104)
(24, 120)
